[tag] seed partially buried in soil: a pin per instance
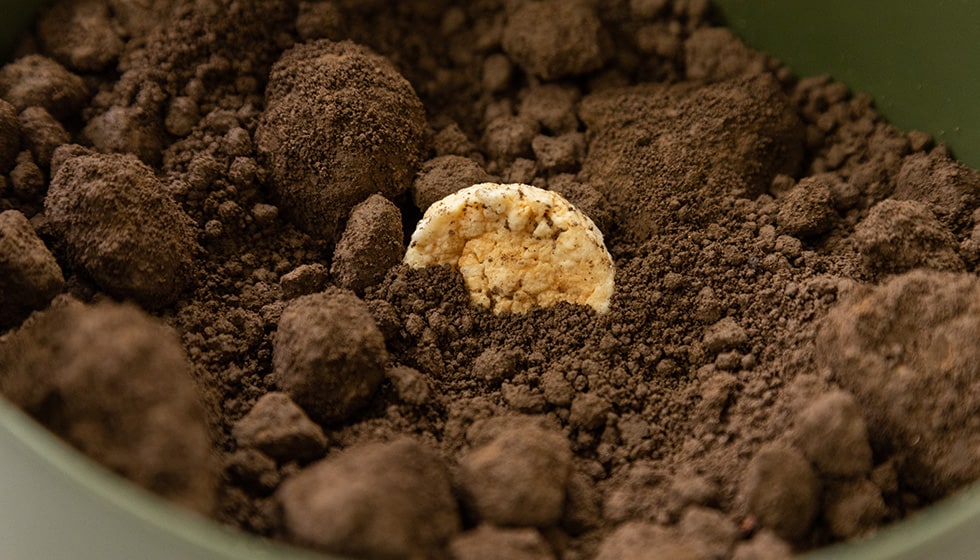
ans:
(517, 247)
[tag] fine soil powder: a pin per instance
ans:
(204, 205)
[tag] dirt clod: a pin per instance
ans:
(782, 491)
(487, 541)
(328, 354)
(537, 34)
(369, 132)
(920, 397)
(279, 428)
(833, 435)
(518, 478)
(373, 235)
(116, 384)
(29, 274)
(38, 80)
(119, 225)
(380, 500)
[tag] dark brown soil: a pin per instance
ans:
(788, 361)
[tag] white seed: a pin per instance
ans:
(517, 247)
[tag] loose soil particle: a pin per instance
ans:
(787, 361)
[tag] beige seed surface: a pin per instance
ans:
(517, 247)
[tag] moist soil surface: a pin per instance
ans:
(204, 209)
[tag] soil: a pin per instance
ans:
(201, 230)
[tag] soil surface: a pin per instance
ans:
(203, 209)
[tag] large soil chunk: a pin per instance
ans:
(554, 38)
(899, 235)
(115, 383)
(518, 478)
(782, 490)
(341, 124)
(329, 355)
(119, 225)
(658, 148)
(380, 500)
(38, 80)
(908, 351)
(29, 275)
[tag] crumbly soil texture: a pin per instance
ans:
(204, 205)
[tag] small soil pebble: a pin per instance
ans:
(724, 335)
(833, 435)
(497, 72)
(950, 188)
(27, 181)
(341, 124)
(128, 130)
(320, 20)
(116, 384)
(920, 398)
(899, 235)
(518, 478)
(709, 530)
(807, 208)
(782, 491)
(559, 153)
(508, 137)
(304, 279)
(496, 364)
(328, 354)
(279, 428)
(552, 106)
(589, 411)
(853, 508)
(29, 275)
(444, 175)
(411, 385)
(715, 54)
(372, 243)
(764, 545)
(38, 80)
(253, 468)
(537, 37)
(42, 134)
(380, 500)
(487, 541)
(118, 224)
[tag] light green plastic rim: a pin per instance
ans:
(55, 503)
(920, 59)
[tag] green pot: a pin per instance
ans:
(918, 59)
